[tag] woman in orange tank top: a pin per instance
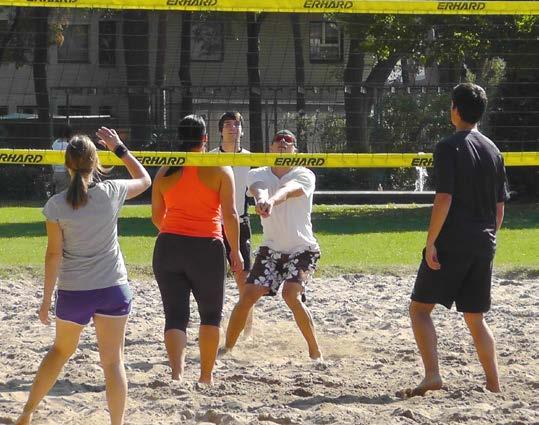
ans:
(189, 255)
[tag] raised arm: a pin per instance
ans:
(140, 179)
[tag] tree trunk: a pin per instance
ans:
(135, 40)
(353, 99)
(40, 20)
(253, 80)
(160, 58)
(300, 83)
(184, 73)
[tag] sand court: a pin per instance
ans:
(364, 331)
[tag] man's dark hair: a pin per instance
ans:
(229, 116)
(65, 132)
(470, 101)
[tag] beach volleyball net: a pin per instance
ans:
(365, 85)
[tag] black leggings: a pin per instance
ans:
(182, 264)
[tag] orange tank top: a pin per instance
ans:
(192, 209)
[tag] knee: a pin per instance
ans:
(291, 297)
(109, 361)
(211, 317)
(175, 323)
(419, 310)
(62, 351)
(176, 319)
(249, 296)
(473, 320)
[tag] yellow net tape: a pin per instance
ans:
(301, 6)
(321, 160)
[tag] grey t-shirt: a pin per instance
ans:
(92, 258)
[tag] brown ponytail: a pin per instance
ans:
(82, 161)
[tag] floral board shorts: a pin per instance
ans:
(272, 268)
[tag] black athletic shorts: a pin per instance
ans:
(245, 243)
(464, 279)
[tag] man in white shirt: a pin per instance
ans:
(289, 252)
(231, 130)
(60, 176)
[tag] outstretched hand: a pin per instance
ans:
(108, 138)
(264, 207)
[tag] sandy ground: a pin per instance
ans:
(367, 341)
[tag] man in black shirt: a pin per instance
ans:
(457, 261)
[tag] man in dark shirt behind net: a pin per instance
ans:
(457, 261)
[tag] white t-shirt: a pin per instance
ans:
(59, 145)
(288, 229)
(240, 182)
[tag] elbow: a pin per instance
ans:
(231, 215)
(53, 256)
(156, 222)
(146, 181)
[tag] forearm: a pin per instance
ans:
(259, 193)
(500, 211)
(232, 230)
(135, 168)
(52, 268)
(440, 209)
(284, 192)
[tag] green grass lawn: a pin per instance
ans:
(353, 238)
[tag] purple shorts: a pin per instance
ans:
(80, 306)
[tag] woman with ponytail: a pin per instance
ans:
(83, 257)
(189, 254)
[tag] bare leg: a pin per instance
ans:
(425, 337)
(110, 332)
(240, 278)
(208, 342)
(175, 342)
(65, 344)
(292, 295)
(486, 348)
(237, 320)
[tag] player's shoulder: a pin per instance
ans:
(303, 171)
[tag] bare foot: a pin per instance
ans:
(316, 355)
(493, 388)
(223, 351)
(205, 382)
(177, 375)
(24, 419)
(247, 333)
(427, 384)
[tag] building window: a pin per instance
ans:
(27, 109)
(105, 110)
(325, 42)
(107, 44)
(4, 110)
(74, 49)
(74, 110)
(207, 41)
